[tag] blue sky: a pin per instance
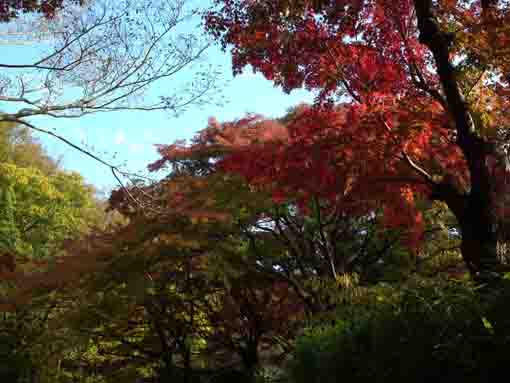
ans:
(131, 135)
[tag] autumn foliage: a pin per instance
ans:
(423, 87)
(347, 156)
(261, 226)
(11, 9)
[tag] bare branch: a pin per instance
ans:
(104, 58)
(39, 63)
(114, 168)
(110, 55)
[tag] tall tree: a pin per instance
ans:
(426, 90)
(19, 147)
(42, 205)
(298, 205)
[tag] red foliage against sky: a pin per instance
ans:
(427, 82)
(311, 43)
(412, 102)
(350, 156)
(10, 9)
(361, 47)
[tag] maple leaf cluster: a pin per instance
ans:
(272, 36)
(427, 80)
(10, 9)
(348, 155)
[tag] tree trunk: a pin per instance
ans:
(483, 232)
(188, 372)
(250, 358)
(167, 371)
(474, 208)
(482, 240)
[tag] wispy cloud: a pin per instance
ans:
(136, 148)
(120, 138)
(149, 136)
(79, 134)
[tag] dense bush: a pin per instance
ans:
(426, 331)
(16, 364)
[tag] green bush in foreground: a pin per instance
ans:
(426, 331)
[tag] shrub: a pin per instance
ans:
(426, 331)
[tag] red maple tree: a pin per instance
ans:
(412, 101)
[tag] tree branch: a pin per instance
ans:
(473, 147)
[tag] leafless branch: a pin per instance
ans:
(104, 58)
(116, 171)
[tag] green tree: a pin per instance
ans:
(18, 146)
(41, 204)
(40, 212)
